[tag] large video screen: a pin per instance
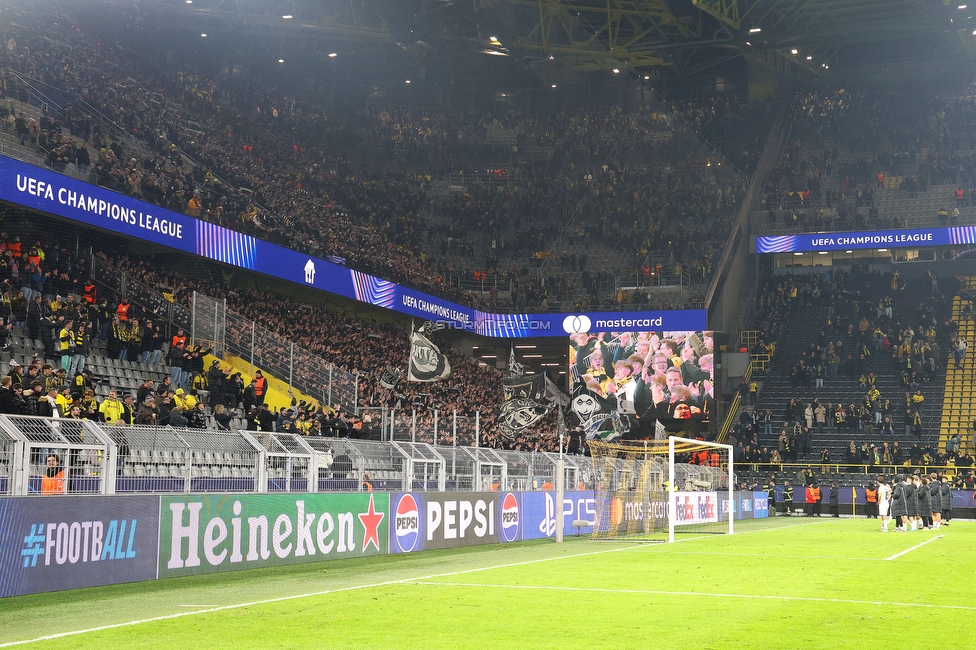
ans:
(622, 378)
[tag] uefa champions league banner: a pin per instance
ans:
(747, 505)
(66, 197)
(55, 543)
(210, 533)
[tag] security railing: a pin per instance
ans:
(50, 457)
(213, 325)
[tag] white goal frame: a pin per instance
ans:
(673, 493)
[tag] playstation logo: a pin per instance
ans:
(576, 324)
(310, 272)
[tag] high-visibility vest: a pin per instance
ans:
(123, 311)
(53, 484)
(260, 386)
(90, 292)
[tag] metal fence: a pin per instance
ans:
(94, 458)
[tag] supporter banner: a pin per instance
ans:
(835, 241)
(390, 378)
(54, 543)
(539, 514)
(426, 363)
(53, 193)
(446, 520)
(209, 533)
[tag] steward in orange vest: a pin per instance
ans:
(53, 480)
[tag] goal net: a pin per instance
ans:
(652, 490)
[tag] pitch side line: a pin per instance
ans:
(655, 592)
(325, 592)
(909, 550)
(784, 557)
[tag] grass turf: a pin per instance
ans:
(811, 583)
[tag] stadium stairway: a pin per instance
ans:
(960, 407)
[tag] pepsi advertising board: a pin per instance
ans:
(841, 241)
(63, 196)
(539, 515)
(429, 520)
(55, 543)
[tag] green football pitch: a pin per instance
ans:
(786, 582)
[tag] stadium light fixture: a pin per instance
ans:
(616, 70)
(281, 60)
(189, 2)
(962, 7)
(287, 17)
(493, 39)
(794, 51)
(882, 250)
(755, 30)
(809, 58)
(525, 347)
(489, 356)
(332, 55)
(553, 85)
(552, 58)
(823, 252)
(647, 77)
(203, 36)
(408, 81)
(748, 43)
(797, 254)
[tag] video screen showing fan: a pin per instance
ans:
(620, 379)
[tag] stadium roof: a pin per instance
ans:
(651, 37)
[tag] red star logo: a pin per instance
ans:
(371, 521)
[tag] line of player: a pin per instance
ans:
(914, 502)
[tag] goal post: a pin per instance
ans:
(655, 490)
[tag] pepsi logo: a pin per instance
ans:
(510, 517)
(406, 523)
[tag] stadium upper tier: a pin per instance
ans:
(574, 199)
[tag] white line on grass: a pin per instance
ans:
(417, 580)
(655, 592)
(909, 550)
(785, 557)
(324, 592)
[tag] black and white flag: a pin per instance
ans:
(426, 361)
(390, 377)
(525, 403)
(515, 369)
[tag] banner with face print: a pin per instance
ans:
(620, 378)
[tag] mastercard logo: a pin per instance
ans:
(616, 511)
(576, 324)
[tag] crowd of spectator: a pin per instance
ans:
(618, 182)
(862, 334)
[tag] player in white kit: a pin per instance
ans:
(884, 503)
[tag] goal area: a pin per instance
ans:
(653, 490)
